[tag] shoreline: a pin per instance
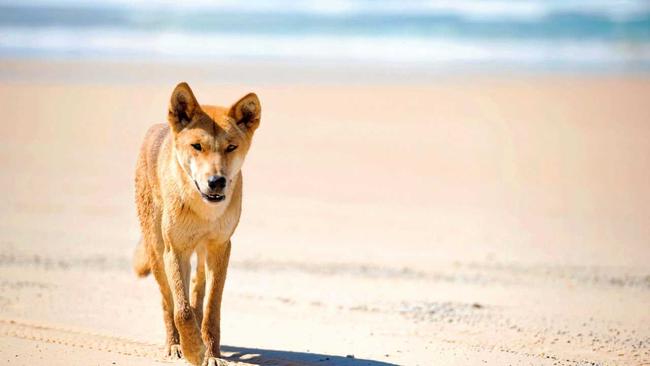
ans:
(264, 73)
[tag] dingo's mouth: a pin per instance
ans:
(213, 197)
(217, 197)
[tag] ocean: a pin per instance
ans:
(598, 35)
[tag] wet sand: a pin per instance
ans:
(457, 221)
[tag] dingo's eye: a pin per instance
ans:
(231, 148)
(197, 147)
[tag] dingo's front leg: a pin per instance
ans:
(177, 268)
(216, 265)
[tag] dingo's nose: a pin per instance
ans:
(216, 181)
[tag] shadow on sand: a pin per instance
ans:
(258, 356)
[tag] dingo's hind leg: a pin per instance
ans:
(149, 258)
(156, 249)
(198, 284)
(172, 342)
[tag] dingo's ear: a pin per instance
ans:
(182, 107)
(247, 112)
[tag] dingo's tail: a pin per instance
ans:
(141, 260)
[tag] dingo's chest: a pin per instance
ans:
(189, 225)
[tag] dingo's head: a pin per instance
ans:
(211, 147)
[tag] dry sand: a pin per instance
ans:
(462, 221)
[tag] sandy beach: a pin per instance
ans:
(454, 220)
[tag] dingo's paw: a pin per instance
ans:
(213, 361)
(193, 353)
(174, 352)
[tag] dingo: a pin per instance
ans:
(188, 187)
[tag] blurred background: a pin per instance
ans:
(460, 181)
(577, 35)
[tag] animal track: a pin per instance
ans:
(80, 339)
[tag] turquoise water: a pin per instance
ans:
(601, 35)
